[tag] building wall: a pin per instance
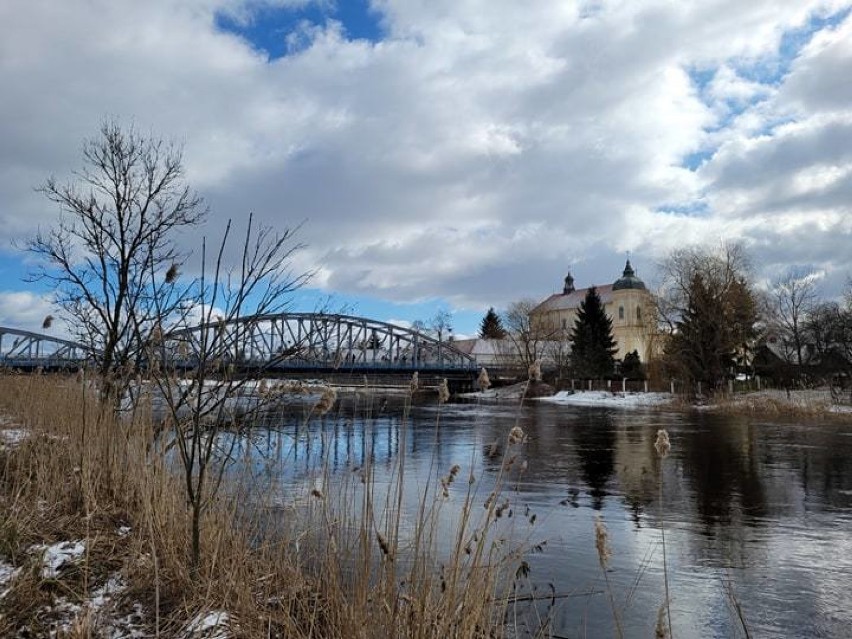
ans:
(632, 314)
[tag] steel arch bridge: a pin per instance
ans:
(283, 342)
(26, 350)
(315, 341)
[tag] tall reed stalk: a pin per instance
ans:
(344, 557)
(663, 447)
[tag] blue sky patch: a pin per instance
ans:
(772, 71)
(268, 27)
(13, 271)
(696, 208)
(693, 161)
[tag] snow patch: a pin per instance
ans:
(127, 627)
(605, 398)
(104, 595)
(513, 392)
(12, 437)
(63, 614)
(58, 555)
(7, 575)
(213, 625)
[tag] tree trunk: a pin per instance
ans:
(195, 557)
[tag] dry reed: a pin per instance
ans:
(332, 568)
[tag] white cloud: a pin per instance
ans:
(473, 155)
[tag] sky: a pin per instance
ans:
(451, 154)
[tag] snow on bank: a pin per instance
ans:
(58, 555)
(11, 437)
(213, 625)
(515, 391)
(775, 401)
(605, 398)
(101, 606)
(7, 574)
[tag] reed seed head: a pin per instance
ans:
(535, 371)
(326, 401)
(602, 541)
(47, 323)
(443, 391)
(482, 380)
(383, 544)
(663, 445)
(516, 435)
(501, 508)
(172, 274)
(661, 630)
(414, 385)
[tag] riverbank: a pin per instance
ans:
(781, 403)
(610, 399)
(95, 540)
(765, 403)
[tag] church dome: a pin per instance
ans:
(628, 280)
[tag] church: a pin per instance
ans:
(627, 302)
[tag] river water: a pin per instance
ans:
(756, 514)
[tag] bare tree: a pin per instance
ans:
(527, 340)
(218, 393)
(829, 329)
(114, 239)
(441, 325)
(792, 298)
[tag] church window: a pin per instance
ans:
(564, 323)
(638, 312)
(620, 312)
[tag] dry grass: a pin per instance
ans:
(339, 565)
(777, 404)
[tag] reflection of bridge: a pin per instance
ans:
(309, 342)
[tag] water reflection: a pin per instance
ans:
(763, 507)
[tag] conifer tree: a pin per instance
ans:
(492, 326)
(593, 347)
(631, 367)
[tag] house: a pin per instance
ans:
(626, 301)
(490, 352)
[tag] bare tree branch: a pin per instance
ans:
(113, 239)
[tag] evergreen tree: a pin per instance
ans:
(492, 326)
(712, 308)
(593, 347)
(631, 367)
(705, 342)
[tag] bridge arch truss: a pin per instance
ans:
(27, 350)
(316, 340)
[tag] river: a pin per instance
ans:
(756, 514)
